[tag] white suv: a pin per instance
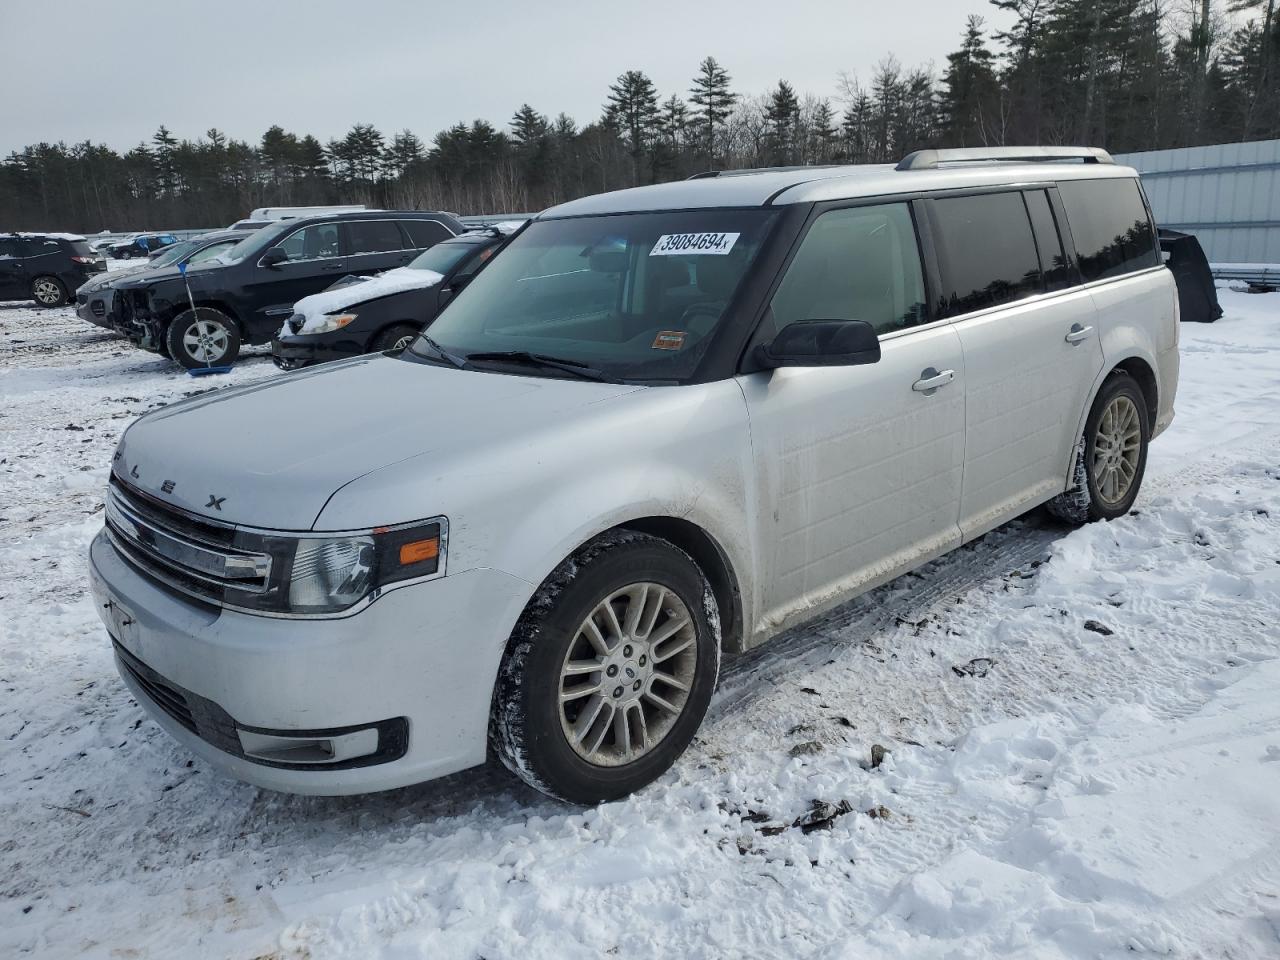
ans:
(659, 425)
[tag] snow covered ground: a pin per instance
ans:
(1078, 735)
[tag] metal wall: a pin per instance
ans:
(1228, 195)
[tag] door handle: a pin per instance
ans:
(1078, 333)
(930, 380)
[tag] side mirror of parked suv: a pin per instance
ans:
(821, 343)
(273, 257)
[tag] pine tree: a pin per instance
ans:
(163, 147)
(782, 115)
(633, 109)
(713, 100)
(971, 91)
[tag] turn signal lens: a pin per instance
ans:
(419, 550)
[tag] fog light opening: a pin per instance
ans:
(278, 748)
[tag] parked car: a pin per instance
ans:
(244, 295)
(142, 245)
(45, 267)
(662, 424)
(95, 300)
(366, 314)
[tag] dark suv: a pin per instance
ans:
(244, 295)
(142, 245)
(45, 267)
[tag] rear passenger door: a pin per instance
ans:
(858, 468)
(1031, 347)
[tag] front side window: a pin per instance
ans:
(374, 236)
(986, 252)
(312, 243)
(1110, 226)
(862, 263)
(636, 296)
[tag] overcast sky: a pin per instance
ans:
(113, 70)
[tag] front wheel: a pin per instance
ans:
(395, 338)
(48, 292)
(1111, 458)
(609, 671)
(203, 337)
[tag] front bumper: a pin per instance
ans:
(317, 348)
(427, 653)
(96, 309)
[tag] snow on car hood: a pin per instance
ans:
(315, 307)
(277, 451)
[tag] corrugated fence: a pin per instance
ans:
(1228, 195)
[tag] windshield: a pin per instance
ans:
(256, 243)
(443, 257)
(637, 296)
(174, 253)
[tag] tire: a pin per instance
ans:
(1108, 474)
(203, 337)
(48, 291)
(394, 338)
(533, 733)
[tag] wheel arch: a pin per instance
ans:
(212, 303)
(714, 563)
(1141, 370)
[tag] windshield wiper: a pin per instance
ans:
(575, 367)
(457, 361)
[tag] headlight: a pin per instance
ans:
(331, 322)
(323, 575)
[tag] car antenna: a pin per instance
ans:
(208, 368)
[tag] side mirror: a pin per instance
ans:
(821, 343)
(273, 257)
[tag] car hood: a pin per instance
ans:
(102, 281)
(315, 309)
(147, 274)
(272, 454)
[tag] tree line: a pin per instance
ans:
(1123, 74)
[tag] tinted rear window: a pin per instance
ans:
(1110, 226)
(425, 233)
(1053, 259)
(986, 252)
(374, 236)
(81, 249)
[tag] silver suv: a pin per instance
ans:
(665, 423)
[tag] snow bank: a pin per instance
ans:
(316, 307)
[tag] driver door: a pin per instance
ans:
(315, 260)
(858, 468)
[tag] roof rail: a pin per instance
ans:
(932, 159)
(708, 174)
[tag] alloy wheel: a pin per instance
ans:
(1117, 447)
(205, 341)
(47, 292)
(627, 674)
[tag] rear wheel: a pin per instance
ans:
(395, 338)
(48, 291)
(1112, 455)
(609, 671)
(203, 337)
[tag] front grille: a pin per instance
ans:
(215, 726)
(99, 309)
(193, 555)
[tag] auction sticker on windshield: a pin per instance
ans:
(677, 244)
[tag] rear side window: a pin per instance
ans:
(986, 252)
(1110, 226)
(11, 248)
(374, 236)
(42, 246)
(425, 233)
(862, 263)
(1053, 259)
